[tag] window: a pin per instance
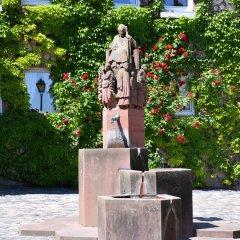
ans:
(0, 5)
(119, 3)
(188, 108)
(35, 2)
(32, 76)
(1, 105)
(178, 8)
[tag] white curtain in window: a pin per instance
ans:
(31, 78)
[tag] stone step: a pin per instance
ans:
(216, 230)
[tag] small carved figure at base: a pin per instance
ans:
(142, 87)
(108, 99)
(133, 90)
(123, 87)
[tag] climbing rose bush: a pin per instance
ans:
(79, 118)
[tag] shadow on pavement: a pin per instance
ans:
(22, 190)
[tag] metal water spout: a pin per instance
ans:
(114, 118)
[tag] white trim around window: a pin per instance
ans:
(35, 2)
(32, 76)
(188, 110)
(171, 11)
(120, 3)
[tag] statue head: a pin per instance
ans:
(122, 29)
(144, 67)
(107, 67)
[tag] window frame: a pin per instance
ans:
(39, 70)
(35, 2)
(190, 112)
(137, 4)
(178, 11)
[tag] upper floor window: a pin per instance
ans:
(0, 5)
(178, 8)
(119, 3)
(35, 2)
(42, 102)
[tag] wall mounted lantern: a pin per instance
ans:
(41, 85)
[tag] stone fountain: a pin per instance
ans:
(119, 197)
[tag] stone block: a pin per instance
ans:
(127, 131)
(99, 175)
(130, 182)
(175, 182)
(157, 218)
(139, 159)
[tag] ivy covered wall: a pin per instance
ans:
(70, 37)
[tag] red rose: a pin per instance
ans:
(96, 113)
(167, 58)
(160, 64)
(180, 109)
(190, 95)
(156, 77)
(180, 138)
(183, 37)
(234, 88)
(181, 50)
(174, 52)
(156, 69)
(221, 76)
(213, 71)
(152, 112)
(177, 73)
(160, 39)
(167, 88)
(78, 133)
(66, 121)
(65, 76)
(150, 99)
(196, 124)
(185, 54)
(181, 83)
(74, 81)
(154, 64)
(165, 67)
(85, 76)
(216, 82)
(162, 131)
(140, 51)
(155, 48)
(88, 118)
(148, 74)
(168, 47)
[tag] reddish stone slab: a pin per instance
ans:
(128, 131)
(99, 176)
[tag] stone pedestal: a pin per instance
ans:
(126, 132)
(98, 175)
(157, 218)
(176, 182)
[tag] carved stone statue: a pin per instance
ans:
(142, 87)
(133, 90)
(123, 86)
(107, 91)
(123, 49)
(122, 83)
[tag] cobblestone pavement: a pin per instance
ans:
(22, 206)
